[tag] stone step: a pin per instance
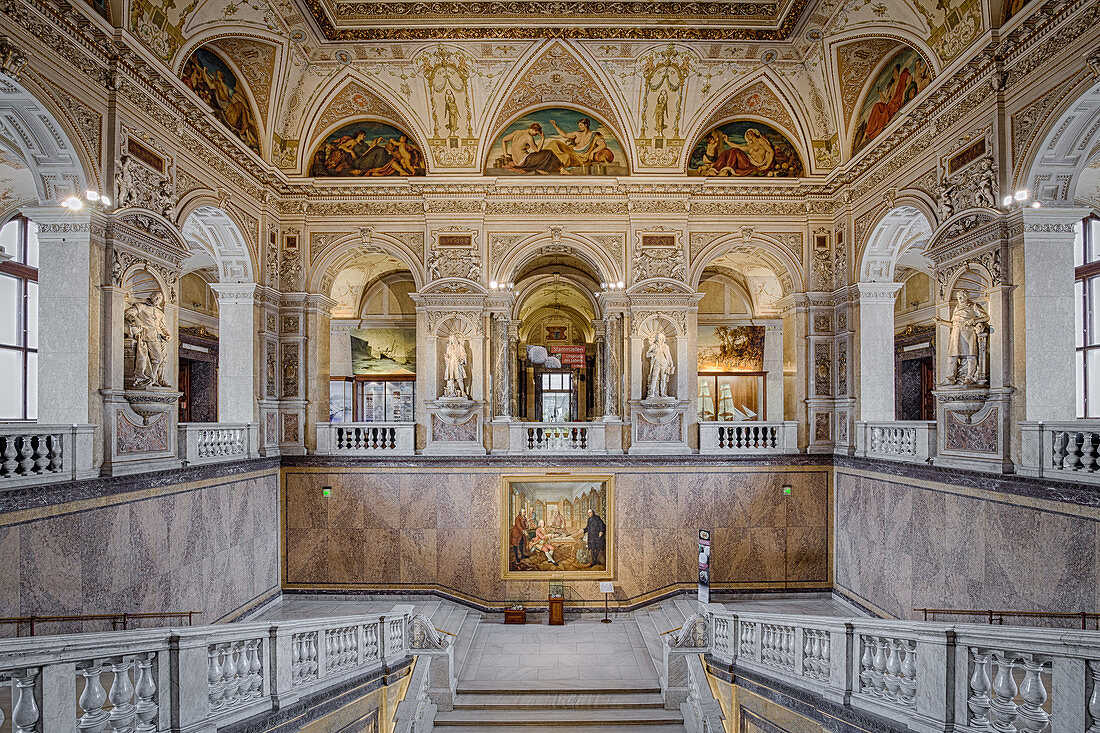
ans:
(574, 728)
(464, 641)
(567, 717)
(647, 628)
(558, 700)
(558, 687)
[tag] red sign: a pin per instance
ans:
(569, 355)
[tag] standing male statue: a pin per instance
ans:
(147, 326)
(454, 367)
(660, 367)
(968, 323)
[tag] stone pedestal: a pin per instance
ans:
(613, 434)
(875, 351)
(141, 430)
(659, 427)
(239, 374)
(455, 430)
(499, 434)
(973, 428)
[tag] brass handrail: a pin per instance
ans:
(670, 631)
(998, 616)
(448, 633)
(114, 618)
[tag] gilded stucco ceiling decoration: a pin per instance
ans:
(557, 76)
(256, 62)
(757, 99)
(358, 20)
(854, 62)
(355, 100)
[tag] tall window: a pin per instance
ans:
(19, 321)
(1087, 274)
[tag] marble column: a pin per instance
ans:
(315, 364)
(68, 328)
(876, 350)
(501, 373)
(239, 369)
(1048, 311)
(773, 365)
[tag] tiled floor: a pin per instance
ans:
(582, 650)
(804, 604)
(312, 607)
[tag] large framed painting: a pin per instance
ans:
(731, 348)
(903, 77)
(383, 351)
(745, 148)
(208, 76)
(368, 149)
(557, 141)
(560, 527)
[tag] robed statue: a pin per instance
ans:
(965, 342)
(454, 368)
(660, 367)
(147, 326)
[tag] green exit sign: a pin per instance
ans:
(786, 491)
(326, 491)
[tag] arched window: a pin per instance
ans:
(19, 320)
(1087, 292)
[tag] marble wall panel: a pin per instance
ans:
(903, 544)
(211, 545)
(435, 527)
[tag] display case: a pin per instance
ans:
(731, 397)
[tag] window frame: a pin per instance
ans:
(1084, 274)
(26, 274)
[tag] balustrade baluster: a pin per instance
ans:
(1030, 716)
(878, 672)
(26, 454)
(893, 669)
(980, 685)
(24, 708)
(94, 717)
(145, 691)
(1002, 708)
(10, 454)
(1094, 697)
(123, 712)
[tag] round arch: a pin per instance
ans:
(214, 231)
(536, 284)
(582, 248)
(345, 250)
(769, 250)
(1050, 169)
(900, 229)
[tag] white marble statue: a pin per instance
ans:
(965, 350)
(661, 367)
(454, 368)
(147, 326)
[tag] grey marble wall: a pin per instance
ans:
(425, 527)
(905, 543)
(210, 545)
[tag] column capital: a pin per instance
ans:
(1055, 220)
(319, 302)
(871, 292)
(57, 222)
(235, 292)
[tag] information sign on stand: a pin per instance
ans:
(704, 566)
(607, 587)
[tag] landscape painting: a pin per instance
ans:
(383, 351)
(731, 348)
(557, 142)
(557, 527)
(901, 79)
(369, 149)
(210, 77)
(745, 148)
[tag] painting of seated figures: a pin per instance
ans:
(557, 527)
(745, 148)
(367, 149)
(557, 142)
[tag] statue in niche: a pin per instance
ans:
(967, 342)
(125, 185)
(660, 367)
(146, 325)
(454, 368)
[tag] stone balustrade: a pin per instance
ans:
(192, 678)
(213, 442)
(557, 437)
(747, 437)
(1066, 450)
(366, 438)
(912, 441)
(928, 676)
(31, 453)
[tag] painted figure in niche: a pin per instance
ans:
(660, 112)
(525, 149)
(966, 341)
(905, 76)
(595, 531)
(454, 368)
(450, 109)
(660, 367)
(367, 149)
(216, 84)
(745, 149)
(146, 325)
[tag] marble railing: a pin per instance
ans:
(929, 676)
(912, 441)
(747, 437)
(366, 438)
(211, 442)
(193, 678)
(31, 453)
(1066, 450)
(557, 437)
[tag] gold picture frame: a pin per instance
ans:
(560, 549)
